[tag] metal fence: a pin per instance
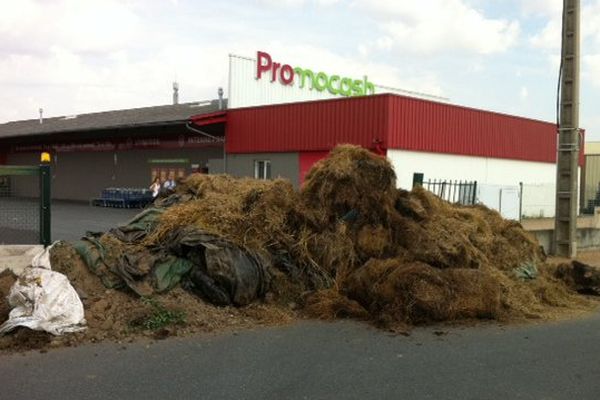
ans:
(454, 191)
(24, 216)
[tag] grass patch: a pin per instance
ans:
(159, 317)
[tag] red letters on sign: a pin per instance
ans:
(289, 71)
(263, 63)
(274, 71)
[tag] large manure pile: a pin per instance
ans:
(415, 258)
(348, 244)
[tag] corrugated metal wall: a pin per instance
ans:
(310, 126)
(441, 128)
(400, 122)
(592, 178)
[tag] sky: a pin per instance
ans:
(77, 56)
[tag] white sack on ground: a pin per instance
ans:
(44, 300)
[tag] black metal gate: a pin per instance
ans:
(25, 204)
(454, 191)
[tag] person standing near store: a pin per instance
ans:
(169, 183)
(155, 187)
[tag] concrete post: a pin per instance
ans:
(565, 232)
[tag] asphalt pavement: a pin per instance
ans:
(19, 220)
(71, 220)
(316, 360)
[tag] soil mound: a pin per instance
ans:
(123, 316)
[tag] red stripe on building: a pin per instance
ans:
(422, 125)
(308, 126)
(397, 122)
(209, 119)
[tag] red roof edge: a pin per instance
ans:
(209, 119)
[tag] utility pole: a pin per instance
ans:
(565, 228)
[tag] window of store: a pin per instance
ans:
(262, 169)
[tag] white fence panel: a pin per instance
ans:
(539, 200)
(502, 198)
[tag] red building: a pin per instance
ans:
(440, 140)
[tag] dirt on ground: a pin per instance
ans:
(349, 244)
(121, 316)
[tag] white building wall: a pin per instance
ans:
(497, 179)
(493, 171)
